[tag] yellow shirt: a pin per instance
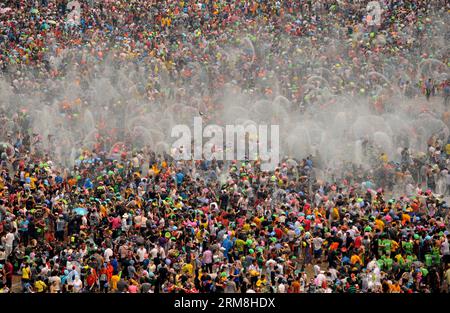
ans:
(114, 280)
(26, 272)
(398, 257)
(240, 245)
(32, 183)
(199, 236)
(40, 286)
(188, 268)
(254, 273)
(335, 213)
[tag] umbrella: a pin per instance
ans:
(80, 211)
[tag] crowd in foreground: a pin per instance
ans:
(143, 222)
(112, 228)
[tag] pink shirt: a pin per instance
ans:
(116, 222)
(132, 289)
(207, 256)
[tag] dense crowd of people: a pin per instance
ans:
(140, 221)
(303, 36)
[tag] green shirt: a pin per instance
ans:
(380, 264)
(407, 246)
(388, 263)
(428, 260)
(387, 244)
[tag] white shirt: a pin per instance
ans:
(320, 279)
(333, 273)
(154, 252)
(83, 252)
(124, 224)
(108, 253)
(45, 270)
(316, 269)
(270, 263)
(141, 253)
(9, 239)
(280, 268)
(135, 162)
(372, 265)
(445, 247)
(317, 242)
(77, 285)
(162, 252)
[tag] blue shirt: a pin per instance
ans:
(227, 244)
(114, 264)
(88, 184)
(23, 226)
(179, 178)
(345, 260)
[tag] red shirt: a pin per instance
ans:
(116, 222)
(278, 233)
(307, 225)
(9, 270)
(358, 242)
(92, 278)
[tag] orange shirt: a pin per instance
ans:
(296, 286)
(356, 259)
(257, 221)
(394, 288)
(379, 224)
(406, 218)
